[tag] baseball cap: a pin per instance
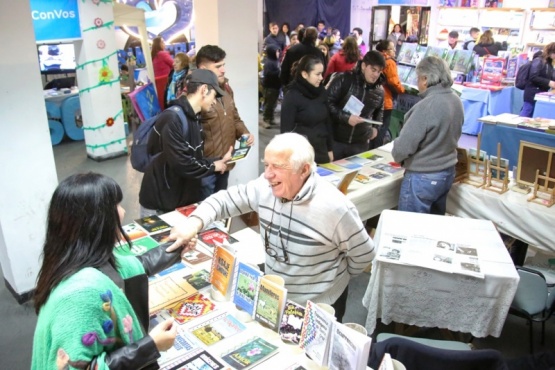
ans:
(205, 76)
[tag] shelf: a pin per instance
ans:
(534, 44)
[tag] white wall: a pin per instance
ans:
(27, 173)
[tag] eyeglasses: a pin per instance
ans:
(272, 252)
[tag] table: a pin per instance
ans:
(425, 297)
(510, 138)
(479, 103)
(511, 212)
(544, 109)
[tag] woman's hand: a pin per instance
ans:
(164, 335)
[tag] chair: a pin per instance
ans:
(532, 300)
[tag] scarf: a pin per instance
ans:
(307, 89)
(171, 88)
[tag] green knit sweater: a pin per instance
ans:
(86, 316)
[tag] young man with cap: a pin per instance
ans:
(173, 178)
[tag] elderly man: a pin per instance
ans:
(452, 42)
(312, 233)
(427, 144)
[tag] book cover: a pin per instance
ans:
(171, 269)
(403, 72)
(250, 354)
(187, 210)
(317, 326)
(270, 303)
(349, 349)
(387, 168)
(332, 167)
(239, 154)
(359, 160)
(323, 172)
(372, 157)
(217, 328)
(406, 52)
(199, 279)
(162, 238)
(462, 61)
(449, 56)
(197, 359)
(221, 273)
(492, 71)
(133, 231)
(167, 290)
(138, 247)
(412, 78)
(213, 237)
(291, 322)
(153, 224)
(343, 185)
(418, 55)
(434, 51)
(245, 287)
(347, 164)
(195, 257)
(192, 307)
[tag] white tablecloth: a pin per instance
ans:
(511, 212)
(429, 298)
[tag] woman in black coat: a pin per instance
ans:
(304, 109)
(541, 78)
(486, 45)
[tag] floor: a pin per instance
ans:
(18, 321)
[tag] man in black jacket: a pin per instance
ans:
(351, 134)
(306, 47)
(173, 177)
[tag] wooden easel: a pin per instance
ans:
(543, 189)
(461, 168)
(479, 163)
(501, 174)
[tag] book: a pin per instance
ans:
(133, 231)
(359, 160)
(403, 72)
(462, 61)
(353, 106)
(317, 326)
(138, 247)
(213, 237)
(245, 287)
(196, 359)
(270, 303)
(221, 273)
(323, 172)
(291, 322)
(153, 224)
(195, 257)
(349, 349)
(199, 279)
(406, 52)
(332, 167)
(162, 238)
(187, 210)
(436, 52)
(191, 308)
(492, 71)
(167, 290)
(347, 164)
(387, 168)
(250, 354)
(343, 185)
(170, 270)
(239, 154)
(372, 157)
(217, 328)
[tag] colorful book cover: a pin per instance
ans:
(192, 307)
(153, 224)
(187, 210)
(195, 257)
(199, 279)
(138, 247)
(291, 322)
(436, 52)
(162, 238)
(412, 78)
(171, 269)
(449, 56)
(492, 71)
(245, 287)
(197, 359)
(270, 303)
(323, 172)
(133, 231)
(221, 273)
(462, 61)
(349, 349)
(250, 354)
(418, 55)
(316, 332)
(347, 164)
(406, 52)
(213, 237)
(332, 167)
(372, 157)
(167, 290)
(217, 328)
(359, 160)
(403, 72)
(388, 168)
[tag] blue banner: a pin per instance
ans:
(55, 20)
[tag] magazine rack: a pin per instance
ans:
(543, 190)
(497, 173)
(477, 167)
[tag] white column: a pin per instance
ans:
(233, 26)
(27, 173)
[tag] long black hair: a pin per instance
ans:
(82, 229)
(305, 64)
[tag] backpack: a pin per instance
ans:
(140, 157)
(522, 75)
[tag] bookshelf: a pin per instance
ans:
(541, 29)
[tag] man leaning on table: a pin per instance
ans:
(312, 233)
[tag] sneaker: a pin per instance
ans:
(265, 124)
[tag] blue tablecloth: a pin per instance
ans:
(510, 138)
(478, 103)
(544, 109)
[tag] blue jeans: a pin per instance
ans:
(527, 109)
(213, 184)
(424, 192)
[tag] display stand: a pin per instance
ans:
(475, 164)
(461, 168)
(497, 174)
(543, 189)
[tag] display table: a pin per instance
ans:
(510, 138)
(544, 109)
(511, 212)
(425, 297)
(478, 103)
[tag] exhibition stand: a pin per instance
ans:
(544, 109)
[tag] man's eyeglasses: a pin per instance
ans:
(272, 252)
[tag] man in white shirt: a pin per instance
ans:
(451, 42)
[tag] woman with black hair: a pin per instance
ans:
(92, 305)
(304, 109)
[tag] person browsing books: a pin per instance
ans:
(427, 144)
(312, 233)
(92, 304)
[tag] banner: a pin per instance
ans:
(55, 20)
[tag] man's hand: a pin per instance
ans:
(185, 234)
(374, 133)
(250, 140)
(355, 120)
(221, 165)
(330, 155)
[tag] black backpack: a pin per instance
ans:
(522, 75)
(140, 157)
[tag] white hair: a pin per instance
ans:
(435, 70)
(299, 147)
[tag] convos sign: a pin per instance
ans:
(55, 20)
